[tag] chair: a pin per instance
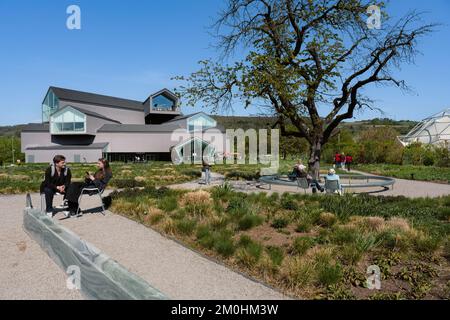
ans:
(332, 186)
(302, 183)
(90, 191)
(63, 205)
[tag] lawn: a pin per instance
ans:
(424, 173)
(27, 178)
(312, 247)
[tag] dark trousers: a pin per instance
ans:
(73, 194)
(348, 166)
(49, 195)
(316, 185)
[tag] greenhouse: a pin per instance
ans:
(433, 130)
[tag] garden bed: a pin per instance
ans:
(312, 247)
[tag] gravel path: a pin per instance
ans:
(26, 272)
(168, 266)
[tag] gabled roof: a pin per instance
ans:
(93, 98)
(182, 117)
(89, 113)
(163, 91)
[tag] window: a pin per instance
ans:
(49, 106)
(200, 122)
(76, 158)
(30, 158)
(162, 103)
(68, 120)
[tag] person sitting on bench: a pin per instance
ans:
(99, 180)
(57, 180)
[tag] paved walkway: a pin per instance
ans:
(168, 266)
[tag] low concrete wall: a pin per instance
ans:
(100, 276)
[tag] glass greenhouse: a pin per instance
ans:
(432, 130)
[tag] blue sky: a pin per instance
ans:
(132, 48)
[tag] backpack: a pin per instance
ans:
(53, 170)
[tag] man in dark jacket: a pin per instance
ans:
(57, 180)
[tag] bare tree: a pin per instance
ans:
(302, 57)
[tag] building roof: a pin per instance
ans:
(139, 127)
(100, 145)
(182, 117)
(93, 98)
(36, 127)
(90, 113)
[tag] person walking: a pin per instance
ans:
(337, 160)
(57, 180)
(206, 168)
(348, 162)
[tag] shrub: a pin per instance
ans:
(426, 244)
(249, 221)
(205, 237)
(343, 235)
(127, 183)
(329, 273)
(223, 244)
(276, 255)
(280, 223)
(302, 244)
(168, 204)
(303, 226)
(185, 227)
(288, 203)
(250, 254)
(297, 272)
(350, 254)
(326, 219)
(197, 203)
(238, 207)
(244, 240)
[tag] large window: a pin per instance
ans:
(200, 122)
(68, 120)
(162, 103)
(49, 106)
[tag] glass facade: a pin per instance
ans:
(162, 103)
(49, 106)
(68, 121)
(200, 123)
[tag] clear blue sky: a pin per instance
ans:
(132, 48)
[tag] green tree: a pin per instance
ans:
(300, 55)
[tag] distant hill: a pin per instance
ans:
(234, 122)
(11, 130)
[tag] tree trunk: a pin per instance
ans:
(314, 158)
